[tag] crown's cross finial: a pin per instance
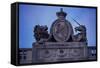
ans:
(61, 9)
(61, 13)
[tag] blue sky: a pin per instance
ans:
(31, 15)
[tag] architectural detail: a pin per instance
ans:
(61, 28)
(61, 44)
(81, 36)
(25, 55)
(40, 32)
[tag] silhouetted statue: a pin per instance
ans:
(40, 32)
(81, 35)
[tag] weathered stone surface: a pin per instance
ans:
(61, 44)
(61, 30)
(54, 52)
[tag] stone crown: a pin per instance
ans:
(61, 13)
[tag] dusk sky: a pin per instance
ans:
(31, 15)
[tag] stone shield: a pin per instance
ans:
(61, 30)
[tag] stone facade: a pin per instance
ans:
(92, 53)
(61, 44)
(25, 55)
(55, 52)
(91, 50)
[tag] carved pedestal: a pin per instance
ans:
(56, 51)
